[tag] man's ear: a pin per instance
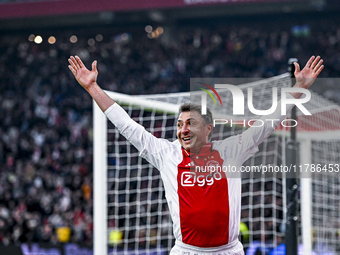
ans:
(210, 128)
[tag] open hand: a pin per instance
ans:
(306, 77)
(85, 77)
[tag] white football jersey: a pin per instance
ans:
(205, 205)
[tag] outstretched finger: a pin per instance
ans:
(72, 69)
(318, 65)
(310, 61)
(70, 61)
(94, 66)
(316, 60)
(319, 70)
(297, 67)
(74, 63)
(80, 62)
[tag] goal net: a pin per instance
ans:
(130, 211)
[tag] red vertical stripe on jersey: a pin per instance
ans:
(203, 200)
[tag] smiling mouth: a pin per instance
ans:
(185, 139)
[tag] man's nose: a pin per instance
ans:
(185, 128)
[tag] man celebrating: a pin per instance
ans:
(205, 206)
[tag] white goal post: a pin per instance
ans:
(130, 212)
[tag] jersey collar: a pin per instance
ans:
(205, 149)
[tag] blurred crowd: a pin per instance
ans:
(45, 148)
(46, 117)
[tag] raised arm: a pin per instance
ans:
(88, 80)
(151, 148)
(304, 79)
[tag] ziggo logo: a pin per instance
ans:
(190, 179)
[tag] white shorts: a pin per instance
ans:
(184, 249)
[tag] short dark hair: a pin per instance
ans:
(187, 107)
